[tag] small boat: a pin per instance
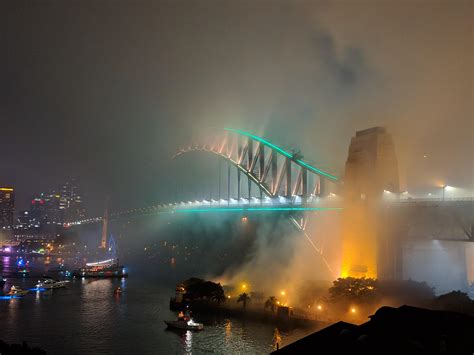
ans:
(17, 291)
(23, 273)
(184, 322)
(49, 283)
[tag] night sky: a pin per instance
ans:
(107, 91)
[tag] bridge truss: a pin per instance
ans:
(274, 171)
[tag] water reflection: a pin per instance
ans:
(86, 318)
(188, 342)
(228, 330)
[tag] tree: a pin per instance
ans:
(456, 301)
(351, 289)
(198, 289)
(244, 298)
(271, 303)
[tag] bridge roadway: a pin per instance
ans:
(279, 204)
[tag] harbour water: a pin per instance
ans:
(87, 318)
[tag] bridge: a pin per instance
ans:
(282, 181)
(277, 180)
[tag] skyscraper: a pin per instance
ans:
(71, 202)
(7, 207)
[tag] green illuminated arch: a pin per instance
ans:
(289, 155)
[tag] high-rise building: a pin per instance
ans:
(45, 210)
(7, 207)
(71, 202)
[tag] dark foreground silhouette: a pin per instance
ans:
(403, 330)
(15, 349)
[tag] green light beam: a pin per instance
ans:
(258, 209)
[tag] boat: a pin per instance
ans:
(17, 291)
(184, 324)
(23, 273)
(49, 283)
(109, 268)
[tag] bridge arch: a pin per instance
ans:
(265, 164)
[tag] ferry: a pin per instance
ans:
(109, 268)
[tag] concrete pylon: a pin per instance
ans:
(105, 222)
(371, 168)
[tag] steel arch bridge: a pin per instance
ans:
(285, 182)
(273, 170)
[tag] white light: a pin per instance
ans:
(448, 188)
(108, 261)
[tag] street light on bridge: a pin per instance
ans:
(446, 188)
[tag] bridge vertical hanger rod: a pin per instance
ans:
(321, 189)
(228, 183)
(288, 191)
(220, 178)
(238, 184)
(304, 186)
(250, 154)
(249, 165)
(274, 163)
(261, 156)
(249, 186)
(239, 156)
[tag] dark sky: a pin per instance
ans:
(107, 91)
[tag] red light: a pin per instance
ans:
(41, 202)
(33, 202)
